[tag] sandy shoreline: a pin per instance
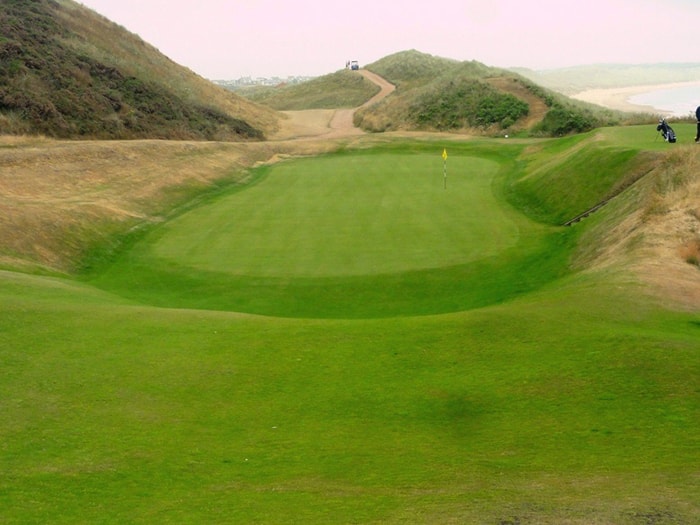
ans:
(618, 98)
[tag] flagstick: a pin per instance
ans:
(444, 166)
(444, 172)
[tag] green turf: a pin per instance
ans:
(565, 398)
(566, 177)
(370, 234)
(347, 215)
(574, 401)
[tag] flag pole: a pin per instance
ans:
(444, 166)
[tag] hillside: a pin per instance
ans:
(342, 89)
(67, 72)
(445, 95)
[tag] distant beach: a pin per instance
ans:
(676, 99)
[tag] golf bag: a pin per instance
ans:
(666, 130)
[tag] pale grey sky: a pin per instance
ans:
(225, 39)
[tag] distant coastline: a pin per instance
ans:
(619, 98)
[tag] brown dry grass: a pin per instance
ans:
(690, 251)
(58, 196)
(302, 124)
(671, 231)
(658, 240)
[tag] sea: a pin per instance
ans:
(680, 101)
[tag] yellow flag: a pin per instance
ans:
(444, 154)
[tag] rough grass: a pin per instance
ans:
(67, 72)
(410, 69)
(342, 89)
(440, 94)
(463, 104)
(691, 252)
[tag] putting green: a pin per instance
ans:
(356, 234)
(339, 215)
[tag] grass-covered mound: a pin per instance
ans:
(441, 94)
(568, 177)
(461, 103)
(342, 89)
(67, 72)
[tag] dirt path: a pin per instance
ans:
(329, 123)
(538, 109)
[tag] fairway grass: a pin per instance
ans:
(573, 404)
(371, 234)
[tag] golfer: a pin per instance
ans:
(697, 116)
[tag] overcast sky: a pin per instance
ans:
(227, 39)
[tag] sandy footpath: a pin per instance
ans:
(329, 123)
(618, 98)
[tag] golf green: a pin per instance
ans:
(352, 235)
(367, 214)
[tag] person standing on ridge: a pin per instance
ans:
(697, 116)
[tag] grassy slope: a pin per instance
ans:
(575, 403)
(342, 89)
(107, 40)
(68, 72)
(567, 177)
(437, 93)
